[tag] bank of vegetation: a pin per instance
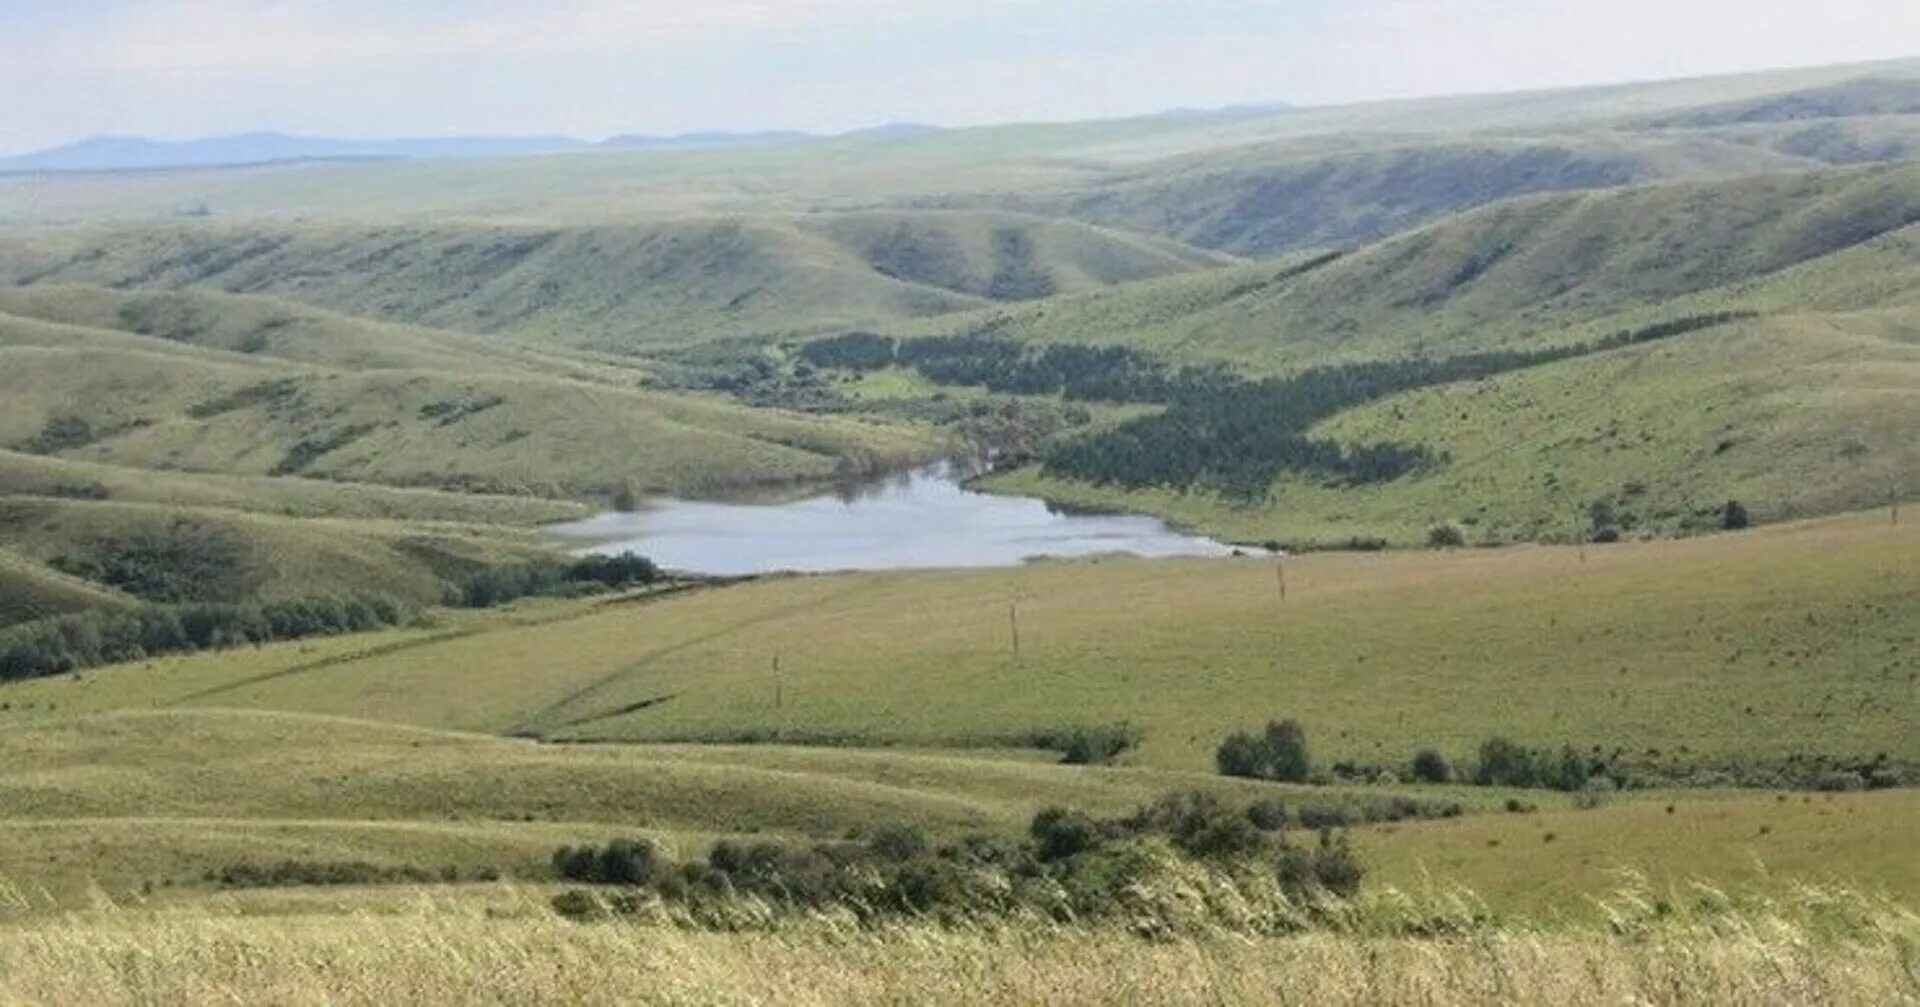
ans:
(1069, 867)
(1218, 431)
(78, 640)
(1280, 752)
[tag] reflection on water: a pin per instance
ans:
(923, 518)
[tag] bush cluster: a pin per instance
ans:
(1277, 753)
(79, 640)
(1070, 865)
(501, 584)
(1505, 763)
(1089, 746)
(1593, 773)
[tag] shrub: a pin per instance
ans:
(1268, 814)
(1200, 824)
(1446, 536)
(1326, 816)
(1734, 516)
(1088, 746)
(1504, 763)
(1286, 743)
(1058, 834)
(1429, 766)
(1330, 868)
(898, 843)
(629, 862)
(1242, 755)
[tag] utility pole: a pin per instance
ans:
(1013, 626)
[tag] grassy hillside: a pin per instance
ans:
(271, 328)
(1272, 198)
(46, 476)
(626, 286)
(1744, 648)
(205, 789)
(1524, 272)
(189, 554)
(149, 401)
(1794, 415)
(30, 590)
(1864, 96)
(1801, 409)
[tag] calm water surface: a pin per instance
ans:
(923, 518)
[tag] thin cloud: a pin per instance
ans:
(230, 35)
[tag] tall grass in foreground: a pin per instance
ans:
(1816, 946)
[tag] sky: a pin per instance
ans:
(592, 68)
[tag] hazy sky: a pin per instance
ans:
(176, 68)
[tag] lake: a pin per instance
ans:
(923, 518)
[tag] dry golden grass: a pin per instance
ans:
(1822, 947)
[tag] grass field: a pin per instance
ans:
(1795, 639)
(1706, 650)
(502, 950)
(131, 804)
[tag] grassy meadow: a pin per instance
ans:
(898, 699)
(1785, 640)
(504, 949)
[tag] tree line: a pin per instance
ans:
(1218, 430)
(77, 640)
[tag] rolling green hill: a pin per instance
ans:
(152, 802)
(184, 554)
(483, 421)
(47, 476)
(270, 328)
(1546, 269)
(626, 286)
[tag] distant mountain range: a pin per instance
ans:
(135, 153)
(132, 153)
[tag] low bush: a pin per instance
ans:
(1278, 753)
(1429, 766)
(1090, 746)
(1070, 867)
(498, 585)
